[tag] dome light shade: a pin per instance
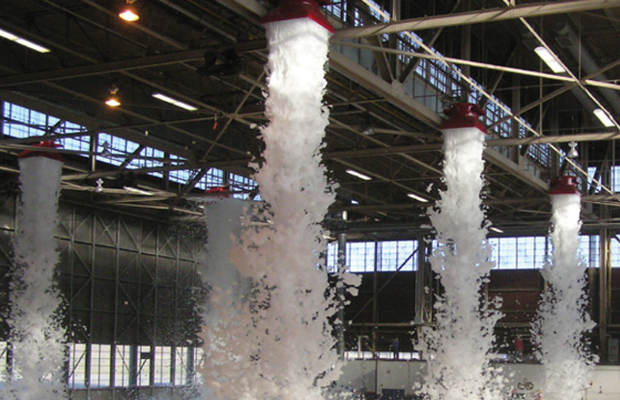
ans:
(129, 13)
(113, 102)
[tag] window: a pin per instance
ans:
(532, 252)
(77, 365)
(21, 122)
(335, 9)
(615, 252)
(167, 370)
(394, 253)
(163, 366)
(529, 252)
(181, 176)
(148, 158)
(99, 365)
(199, 358)
(590, 251)
(615, 179)
(241, 184)
(182, 367)
(507, 253)
(145, 357)
(122, 362)
(331, 258)
(113, 150)
(3, 360)
(361, 256)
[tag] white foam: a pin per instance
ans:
(562, 319)
(458, 350)
(278, 344)
(36, 334)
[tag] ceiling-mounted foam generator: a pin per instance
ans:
(464, 115)
(42, 149)
(294, 9)
(566, 184)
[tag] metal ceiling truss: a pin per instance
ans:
(403, 155)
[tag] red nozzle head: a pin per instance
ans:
(42, 149)
(294, 9)
(218, 191)
(566, 184)
(464, 115)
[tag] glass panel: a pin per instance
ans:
(181, 366)
(243, 185)
(3, 361)
(100, 365)
(163, 366)
(361, 256)
(144, 366)
(122, 364)
(77, 365)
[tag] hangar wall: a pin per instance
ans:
(130, 285)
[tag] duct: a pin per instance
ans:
(531, 43)
(567, 39)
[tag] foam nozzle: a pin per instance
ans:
(566, 184)
(218, 191)
(294, 9)
(45, 149)
(464, 115)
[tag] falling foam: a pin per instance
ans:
(278, 344)
(459, 347)
(562, 319)
(36, 335)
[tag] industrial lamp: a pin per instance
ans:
(604, 118)
(129, 12)
(549, 59)
(572, 153)
(113, 100)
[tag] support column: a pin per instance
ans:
(604, 292)
(422, 291)
(342, 263)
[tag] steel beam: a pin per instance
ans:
(372, 82)
(420, 148)
(477, 17)
(124, 65)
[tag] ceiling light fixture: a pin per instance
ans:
(605, 119)
(358, 174)
(549, 59)
(495, 229)
(137, 191)
(174, 102)
(368, 130)
(572, 153)
(129, 13)
(24, 42)
(113, 100)
(418, 198)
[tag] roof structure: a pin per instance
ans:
(394, 67)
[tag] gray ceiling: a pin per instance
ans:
(211, 54)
